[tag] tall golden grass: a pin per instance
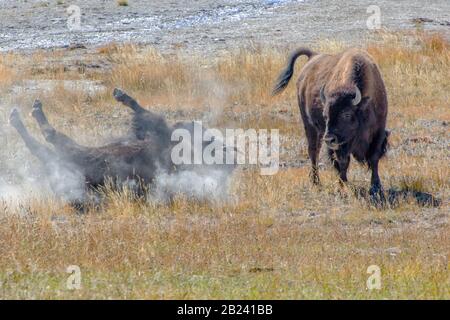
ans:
(7, 73)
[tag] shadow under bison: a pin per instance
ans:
(394, 197)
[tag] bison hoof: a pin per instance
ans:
(37, 112)
(315, 180)
(118, 94)
(37, 104)
(377, 197)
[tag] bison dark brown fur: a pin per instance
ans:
(343, 101)
(146, 123)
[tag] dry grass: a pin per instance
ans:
(276, 236)
(122, 3)
(7, 73)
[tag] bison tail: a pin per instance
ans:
(286, 75)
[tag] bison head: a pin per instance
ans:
(340, 112)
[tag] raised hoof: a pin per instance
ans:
(37, 104)
(118, 94)
(36, 111)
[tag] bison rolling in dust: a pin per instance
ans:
(74, 170)
(342, 101)
(127, 161)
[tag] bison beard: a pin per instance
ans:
(342, 101)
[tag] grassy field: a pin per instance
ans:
(275, 237)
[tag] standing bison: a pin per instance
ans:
(342, 101)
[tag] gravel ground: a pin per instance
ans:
(206, 26)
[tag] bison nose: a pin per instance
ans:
(330, 139)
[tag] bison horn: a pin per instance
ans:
(357, 98)
(322, 95)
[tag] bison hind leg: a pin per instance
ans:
(314, 145)
(16, 121)
(59, 140)
(38, 114)
(42, 152)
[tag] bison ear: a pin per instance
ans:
(322, 95)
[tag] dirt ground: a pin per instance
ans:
(207, 26)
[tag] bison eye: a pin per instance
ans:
(347, 116)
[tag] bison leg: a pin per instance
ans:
(375, 182)
(376, 189)
(314, 144)
(128, 101)
(145, 122)
(58, 139)
(377, 149)
(332, 157)
(39, 150)
(340, 163)
(62, 177)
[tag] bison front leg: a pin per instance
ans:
(58, 139)
(376, 189)
(128, 101)
(145, 123)
(340, 163)
(334, 161)
(378, 149)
